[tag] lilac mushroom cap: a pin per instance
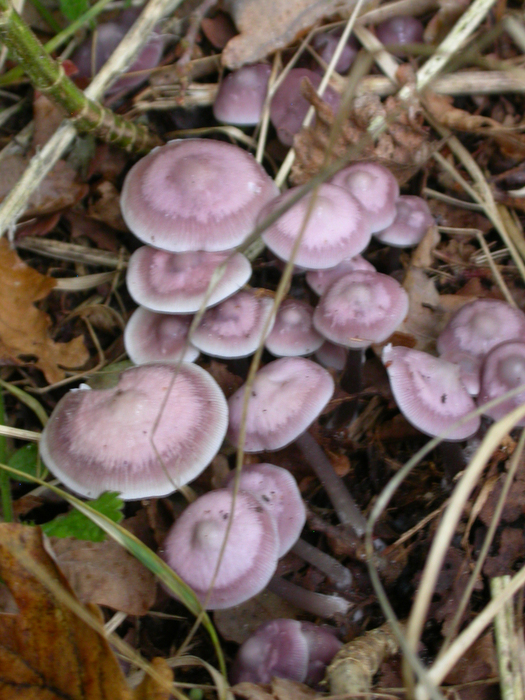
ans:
(323, 645)
(361, 308)
(193, 545)
(337, 228)
(479, 326)
(152, 337)
(469, 369)
(195, 194)
(429, 393)
(332, 356)
(286, 397)
(288, 107)
(325, 44)
(320, 280)
(399, 30)
(120, 439)
(241, 95)
(234, 328)
(503, 369)
(293, 332)
(278, 492)
(375, 187)
(276, 649)
(413, 219)
(179, 282)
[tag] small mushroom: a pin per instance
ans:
(325, 44)
(412, 221)
(503, 369)
(320, 280)
(293, 333)
(241, 95)
(152, 337)
(399, 30)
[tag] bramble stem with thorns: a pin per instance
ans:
(48, 76)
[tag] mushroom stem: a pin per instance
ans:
(452, 456)
(336, 572)
(346, 508)
(351, 383)
(310, 601)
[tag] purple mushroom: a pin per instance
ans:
(152, 337)
(503, 369)
(241, 95)
(293, 333)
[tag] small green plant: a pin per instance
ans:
(76, 524)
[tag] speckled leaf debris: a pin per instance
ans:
(25, 329)
(268, 25)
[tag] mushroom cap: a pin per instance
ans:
(325, 44)
(413, 219)
(293, 332)
(332, 356)
(125, 438)
(401, 29)
(276, 649)
(195, 194)
(152, 337)
(288, 107)
(479, 326)
(469, 369)
(234, 328)
(278, 492)
(375, 187)
(337, 227)
(361, 308)
(320, 280)
(323, 645)
(503, 369)
(241, 95)
(193, 545)
(178, 282)
(285, 398)
(429, 393)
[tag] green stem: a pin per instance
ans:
(49, 77)
(5, 485)
(59, 40)
(46, 15)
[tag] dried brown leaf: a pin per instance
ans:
(105, 206)
(24, 329)
(267, 26)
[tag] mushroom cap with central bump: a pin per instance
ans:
(336, 227)
(429, 392)
(293, 332)
(375, 187)
(193, 546)
(195, 194)
(361, 308)
(236, 326)
(285, 398)
(178, 282)
(413, 219)
(503, 369)
(155, 431)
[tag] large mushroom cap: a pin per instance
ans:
(249, 559)
(361, 308)
(178, 282)
(152, 337)
(287, 395)
(429, 392)
(375, 187)
(278, 492)
(155, 431)
(337, 228)
(503, 369)
(196, 194)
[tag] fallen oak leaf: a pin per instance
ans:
(24, 329)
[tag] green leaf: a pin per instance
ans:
(26, 460)
(72, 9)
(75, 524)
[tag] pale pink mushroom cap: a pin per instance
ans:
(337, 228)
(361, 308)
(320, 280)
(503, 369)
(332, 356)
(195, 194)
(241, 95)
(178, 282)
(193, 545)
(325, 44)
(429, 392)
(155, 431)
(479, 326)
(375, 187)
(278, 492)
(152, 337)
(277, 649)
(323, 645)
(413, 219)
(293, 332)
(288, 107)
(469, 369)
(286, 397)
(235, 327)
(401, 29)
